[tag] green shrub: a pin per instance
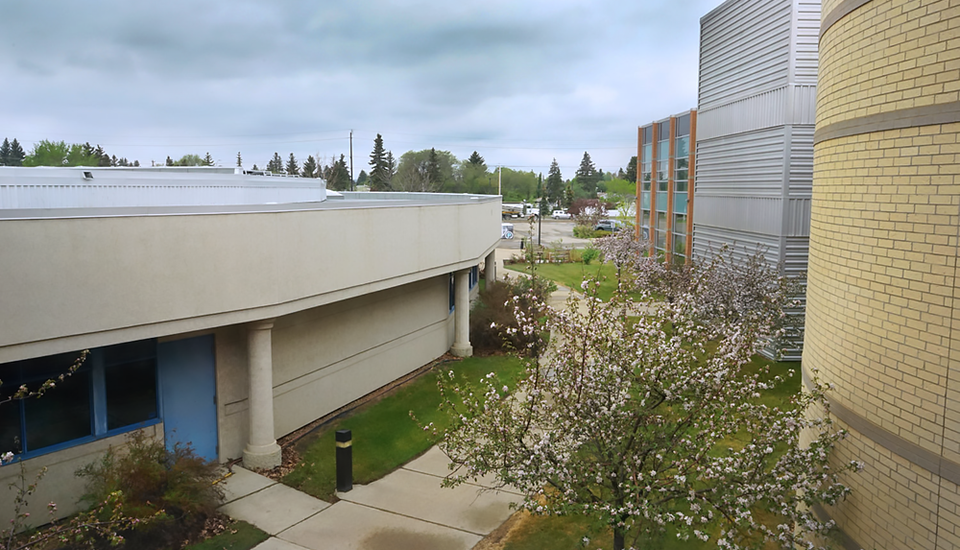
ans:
(587, 232)
(152, 479)
(588, 255)
(493, 317)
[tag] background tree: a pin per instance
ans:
(362, 178)
(337, 175)
(380, 170)
(5, 151)
(630, 174)
(568, 196)
(428, 170)
(656, 421)
(554, 183)
(477, 161)
(190, 159)
(292, 168)
(239, 160)
(276, 164)
(169, 161)
(207, 160)
(309, 169)
(587, 175)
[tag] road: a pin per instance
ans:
(551, 232)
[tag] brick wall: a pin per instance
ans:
(882, 316)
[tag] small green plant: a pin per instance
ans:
(588, 255)
(174, 485)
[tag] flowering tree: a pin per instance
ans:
(652, 422)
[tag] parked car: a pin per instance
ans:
(608, 225)
(561, 215)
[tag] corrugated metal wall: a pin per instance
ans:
(744, 49)
(756, 114)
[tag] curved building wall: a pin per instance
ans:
(881, 306)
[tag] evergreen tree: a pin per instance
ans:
(114, 161)
(239, 160)
(309, 169)
(391, 168)
(169, 161)
(136, 163)
(587, 175)
(554, 183)
(433, 169)
(5, 151)
(292, 167)
(630, 174)
(477, 161)
(362, 178)
(338, 175)
(380, 174)
(255, 167)
(102, 156)
(16, 153)
(207, 160)
(276, 164)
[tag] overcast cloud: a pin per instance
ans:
(520, 81)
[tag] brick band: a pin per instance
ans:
(930, 461)
(845, 539)
(928, 115)
(842, 10)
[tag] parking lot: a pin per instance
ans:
(550, 231)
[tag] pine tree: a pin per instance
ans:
(136, 163)
(568, 197)
(169, 161)
(630, 174)
(554, 183)
(207, 159)
(309, 169)
(434, 177)
(476, 160)
(239, 160)
(114, 161)
(5, 151)
(292, 167)
(16, 153)
(362, 178)
(276, 164)
(391, 168)
(587, 175)
(379, 166)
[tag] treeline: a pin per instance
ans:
(58, 153)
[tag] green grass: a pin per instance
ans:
(384, 435)
(239, 536)
(572, 274)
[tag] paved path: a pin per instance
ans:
(407, 509)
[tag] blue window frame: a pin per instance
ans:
(474, 276)
(113, 391)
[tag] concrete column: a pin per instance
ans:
(490, 268)
(461, 315)
(262, 450)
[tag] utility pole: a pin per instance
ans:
(352, 185)
(499, 180)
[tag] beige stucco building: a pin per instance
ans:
(222, 308)
(882, 304)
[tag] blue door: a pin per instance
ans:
(188, 393)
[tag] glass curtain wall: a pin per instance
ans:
(681, 182)
(646, 163)
(663, 182)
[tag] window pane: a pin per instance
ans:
(662, 202)
(61, 414)
(661, 220)
(663, 149)
(680, 203)
(680, 186)
(680, 224)
(646, 178)
(683, 125)
(645, 200)
(683, 148)
(647, 152)
(131, 393)
(129, 352)
(661, 239)
(10, 438)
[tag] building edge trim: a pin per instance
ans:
(907, 450)
(845, 540)
(913, 117)
(842, 10)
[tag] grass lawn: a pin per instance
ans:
(239, 536)
(572, 274)
(384, 435)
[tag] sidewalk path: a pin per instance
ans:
(407, 509)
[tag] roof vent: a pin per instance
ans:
(87, 175)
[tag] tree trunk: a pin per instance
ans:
(617, 538)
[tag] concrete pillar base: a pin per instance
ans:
(461, 350)
(262, 457)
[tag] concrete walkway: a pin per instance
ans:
(407, 509)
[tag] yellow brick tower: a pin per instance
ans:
(883, 307)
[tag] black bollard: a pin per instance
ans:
(344, 461)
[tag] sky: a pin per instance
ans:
(519, 81)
